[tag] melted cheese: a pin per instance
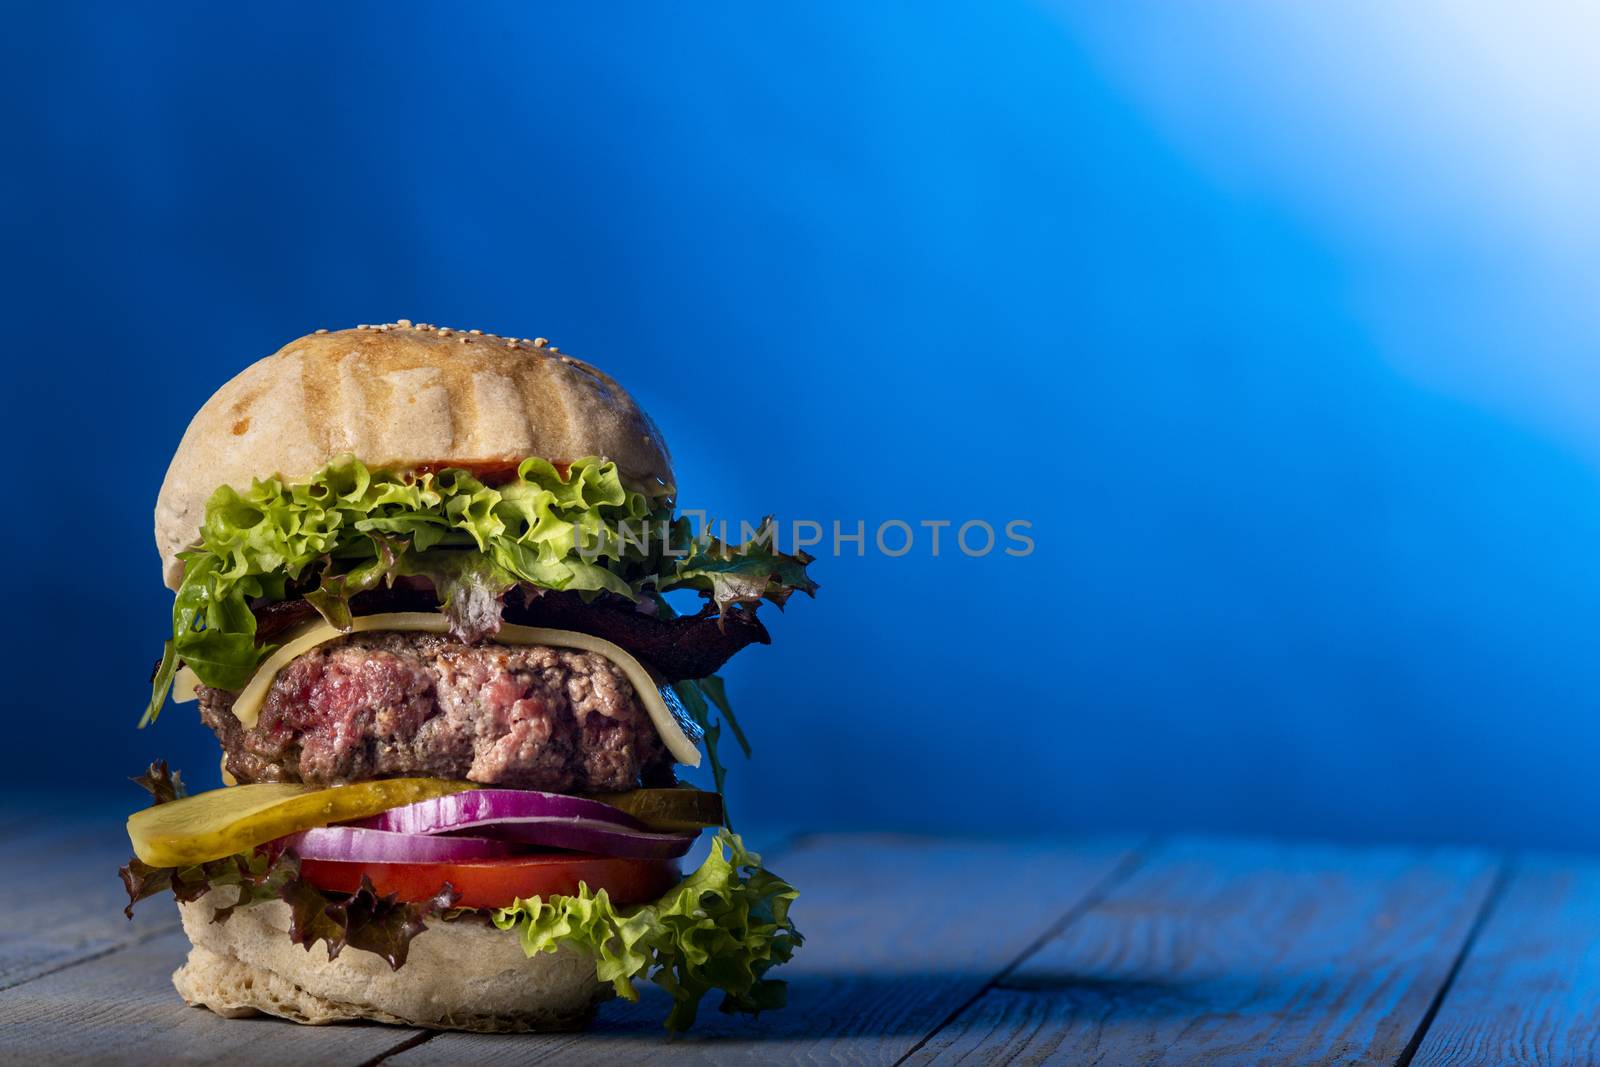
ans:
(247, 708)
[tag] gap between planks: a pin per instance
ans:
(784, 844)
(1118, 874)
(873, 981)
(135, 941)
(1491, 901)
(1129, 864)
(71, 914)
(1493, 876)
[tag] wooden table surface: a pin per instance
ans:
(926, 951)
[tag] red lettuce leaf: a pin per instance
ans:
(382, 925)
(162, 785)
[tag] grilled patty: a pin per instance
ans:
(382, 705)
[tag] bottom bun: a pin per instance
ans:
(462, 975)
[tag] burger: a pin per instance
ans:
(422, 581)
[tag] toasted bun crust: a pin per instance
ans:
(397, 396)
(459, 976)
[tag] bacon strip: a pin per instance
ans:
(690, 646)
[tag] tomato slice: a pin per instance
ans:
(496, 883)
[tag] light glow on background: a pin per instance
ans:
(1446, 153)
(1277, 321)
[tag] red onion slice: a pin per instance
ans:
(588, 835)
(493, 807)
(352, 844)
(550, 820)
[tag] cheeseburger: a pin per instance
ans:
(421, 580)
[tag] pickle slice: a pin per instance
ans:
(669, 809)
(209, 826)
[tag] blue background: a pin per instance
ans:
(1280, 327)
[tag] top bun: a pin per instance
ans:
(399, 396)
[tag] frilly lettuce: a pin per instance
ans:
(738, 574)
(347, 529)
(722, 928)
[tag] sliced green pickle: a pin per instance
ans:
(209, 826)
(679, 808)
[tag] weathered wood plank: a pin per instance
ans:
(69, 904)
(1529, 990)
(1229, 952)
(121, 1009)
(900, 932)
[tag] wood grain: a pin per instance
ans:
(121, 1009)
(72, 907)
(1229, 952)
(900, 932)
(1529, 990)
(928, 951)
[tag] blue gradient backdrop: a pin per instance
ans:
(1280, 326)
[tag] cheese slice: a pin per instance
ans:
(247, 708)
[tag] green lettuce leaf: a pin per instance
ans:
(470, 587)
(694, 702)
(698, 696)
(347, 529)
(744, 574)
(160, 683)
(716, 690)
(722, 928)
(332, 595)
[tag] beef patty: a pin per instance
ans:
(379, 705)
